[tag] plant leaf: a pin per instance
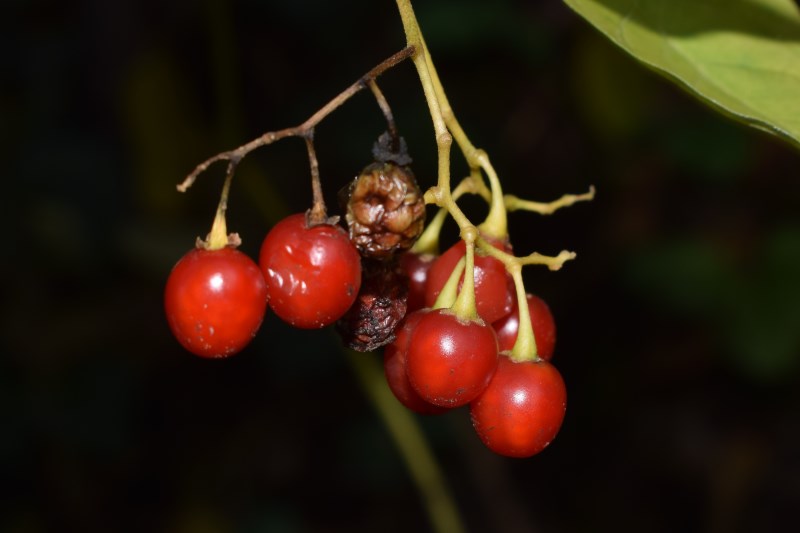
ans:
(740, 56)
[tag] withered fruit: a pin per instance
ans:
(380, 305)
(385, 210)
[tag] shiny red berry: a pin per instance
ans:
(522, 409)
(415, 267)
(215, 301)
(544, 327)
(450, 361)
(494, 288)
(394, 365)
(313, 272)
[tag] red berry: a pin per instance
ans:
(215, 301)
(522, 409)
(494, 287)
(416, 267)
(394, 365)
(313, 273)
(450, 361)
(544, 328)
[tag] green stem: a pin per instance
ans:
(464, 306)
(449, 292)
(444, 141)
(428, 242)
(410, 442)
(514, 203)
(525, 347)
(496, 223)
(509, 260)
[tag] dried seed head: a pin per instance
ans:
(385, 210)
(381, 304)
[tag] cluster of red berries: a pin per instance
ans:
(309, 274)
(312, 274)
(440, 361)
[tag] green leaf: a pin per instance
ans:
(740, 56)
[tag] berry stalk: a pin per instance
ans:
(496, 223)
(525, 347)
(428, 242)
(218, 237)
(464, 306)
(318, 213)
(449, 292)
(237, 154)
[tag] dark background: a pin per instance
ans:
(679, 323)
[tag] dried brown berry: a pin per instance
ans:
(385, 210)
(381, 304)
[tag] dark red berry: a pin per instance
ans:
(450, 361)
(494, 287)
(380, 306)
(415, 267)
(522, 409)
(544, 327)
(215, 301)
(394, 365)
(313, 272)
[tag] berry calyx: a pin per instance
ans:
(494, 291)
(395, 359)
(522, 409)
(542, 322)
(313, 272)
(215, 301)
(450, 361)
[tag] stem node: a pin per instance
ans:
(469, 234)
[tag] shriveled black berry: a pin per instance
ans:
(385, 210)
(381, 304)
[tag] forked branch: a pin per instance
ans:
(303, 130)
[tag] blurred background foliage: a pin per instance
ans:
(679, 324)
